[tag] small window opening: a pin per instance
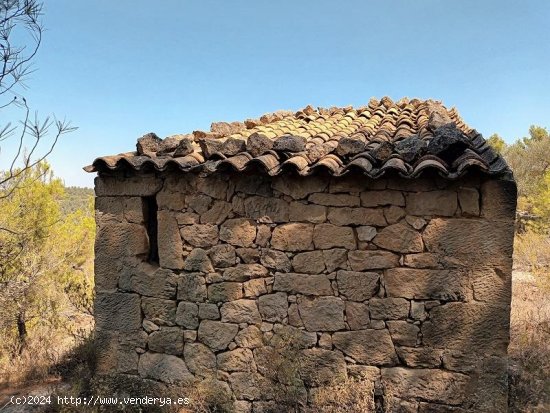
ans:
(149, 204)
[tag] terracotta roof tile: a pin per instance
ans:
(408, 137)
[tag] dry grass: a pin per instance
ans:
(351, 396)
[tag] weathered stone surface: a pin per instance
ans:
(415, 222)
(253, 184)
(335, 258)
(276, 260)
(148, 144)
(293, 237)
(403, 333)
(335, 200)
(254, 288)
(309, 262)
(273, 307)
(422, 260)
(225, 291)
(240, 359)
(418, 311)
(240, 232)
(244, 272)
(399, 238)
(250, 337)
(222, 255)
(187, 218)
(169, 241)
(487, 243)
(357, 286)
(289, 143)
(159, 311)
(443, 203)
(372, 259)
(351, 145)
(249, 386)
(379, 198)
(248, 255)
(366, 233)
(393, 214)
(313, 284)
(315, 214)
(498, 200)
(163, 367)
(258, 144)
(320, 367)
(200, 235)
(216, 334)
(356, 216)
(357, 315)
(168, 340)
(214, 186)
(470, 327)
(117, 311)
(241, 311)
(425, 357)
(285, 335)
(187, 315)
(448, 285)
(492, 285)
(294, 318)
(326, 236)
(299, 188)
(200, 359)
(149, 280)
(219, 211)
(142, 185)
(208, 311)
(372, 347)
(322, 313)
(468, 199)
(198, 260)
(199, 203)
(263, 235)
(191, 287)
(174, 201)
(274, 209)
(389, 308)
(433, 385)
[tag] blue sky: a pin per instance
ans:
(119, 69)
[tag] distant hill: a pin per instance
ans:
(76, 198)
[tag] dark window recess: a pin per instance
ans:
(150, 208)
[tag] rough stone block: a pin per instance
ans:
(198, 260)
(192, 287)
(393, 214)
(309, 262)
(314, 284)
(225, 291)
(356, 216)
(241, 311)
(388, 308)
(159, 311)
(403, 333)
(293, 237)
(322, 313)
(335, 258)
(423, 357)
(117, 311)
(399, 238)
(187, 315)
(321, 367)
(357, 315)
(443, 203)
(273, 307)
(254, 288)
(380, 198)
(170, 247)
(366, 233)
(276, 260)
(372, 260)
(326, 236)
(240, 359)
(165, 368)
(448, 285)
(301, 187)
(168, 340)
(468, 199)
(139, 185)
(240, 232)
(498, 200)
(216, 334)
(200, 235)
(244, 272)
(222, 255)
(422, 260)
(217, 214)
(372, 347)
(199, 358)
(357, 286)
(492, 285)
(274, 209)
(208, 311)
(427, 384)
(335, 200)
(315, 214)
(149, 280)
(250, 337)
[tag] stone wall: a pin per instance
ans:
(404, 283)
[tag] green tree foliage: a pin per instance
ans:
(497, 143)
(46, 269)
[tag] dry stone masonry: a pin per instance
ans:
(224, 276)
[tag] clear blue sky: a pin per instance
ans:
(119, 69)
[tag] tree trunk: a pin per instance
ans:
(22, 330)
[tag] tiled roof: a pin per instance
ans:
(408, 137)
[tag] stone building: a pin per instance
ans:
(370, 243)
